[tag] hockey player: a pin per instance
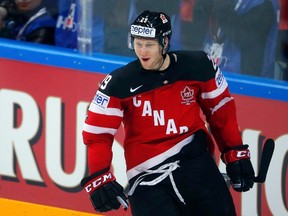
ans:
(168, 149)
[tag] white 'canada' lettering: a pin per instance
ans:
(159, 117)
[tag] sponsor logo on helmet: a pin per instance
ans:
(163, 18)
(142, 31)
(166, 33)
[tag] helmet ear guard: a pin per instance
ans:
(130, 41)
(164, 42)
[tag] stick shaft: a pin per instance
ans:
(266, 157)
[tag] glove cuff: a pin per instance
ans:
(93, 182)
(94, 175)
(236, 154)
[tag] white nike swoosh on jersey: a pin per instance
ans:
(135, 89)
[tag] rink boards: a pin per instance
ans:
(44, 94)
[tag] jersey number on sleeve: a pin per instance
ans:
(105, 82)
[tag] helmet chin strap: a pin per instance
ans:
(163, 60)
(164, 54)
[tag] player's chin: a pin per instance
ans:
(146, 65)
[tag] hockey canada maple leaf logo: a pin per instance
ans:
(187, 95)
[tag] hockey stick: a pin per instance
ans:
(123, 203)
(266, 157)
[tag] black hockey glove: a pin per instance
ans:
(239, 167)
(105, 193)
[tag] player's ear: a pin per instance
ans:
(166, 42)
(165, 45)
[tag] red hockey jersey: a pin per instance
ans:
(160, 111)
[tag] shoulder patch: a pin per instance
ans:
(219, 78)
(101, 100)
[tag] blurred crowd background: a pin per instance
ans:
(242, 36)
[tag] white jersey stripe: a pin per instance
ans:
(215, 93)
(107, 111)
(98, 130)
(221, 87)
(221, 104)
(159, 158)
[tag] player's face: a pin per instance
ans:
(149, 53)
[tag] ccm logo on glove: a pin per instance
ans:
(98, 182)
(241, 154)
(239, 167)
(235, 155)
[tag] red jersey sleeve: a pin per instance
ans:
(219, 108)
(103, 120)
